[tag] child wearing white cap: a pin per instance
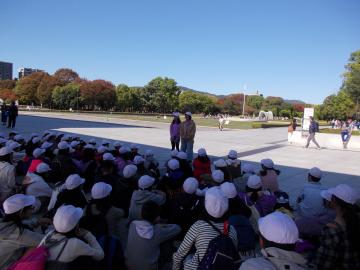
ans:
(254, 196)
(202, 165)
(14, 236)
(145, 237)
(234, 164)
(73, 193)
(269, 175)
(72, 241)
(248, 169)
(7, 173)
(278, 235)
(221, 165)
(62, 165)
(101, 210)
(185, 166)
(35, 184)
(202, 231)
(340, 240)
(144, 194)
(151, 164)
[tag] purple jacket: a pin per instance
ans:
(265, 204)
(175, 131)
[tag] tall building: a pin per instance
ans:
(6, 71)
(27, 71)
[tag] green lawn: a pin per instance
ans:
(338, 131)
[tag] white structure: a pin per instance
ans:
(266, 116)
(308, 112)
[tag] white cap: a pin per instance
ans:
(100, 190)
(149, 153)
(345, 193)
(89, 146)
(108, 156)
(73, 181)
(14, 145)
(248, 168)
(134, 146)
(66, 137)
(174, 153)
(229, 190)
(268, 163)
(19, 138)
(63, 145)
(327, 194)
(176, 114)
(216, 204)
(188, 113)
(124, 150)
(105, 142)
(35, 140)
(117, 144)
(217, 176)
(181, 155)
(190, 185)
(146, 181)
(66, 218)
(138, 160)
(129, 170)
(202, 152)
(34, 134)
(17, 202)
(233, 154)
(38, 152)
(42, 168)
(46, 145)
(173, 164)
(220, 163)
(5, 151)
(315, 172)
(278, 228)
(101, 149)
(92, 141)
(74, 143)
(254, 182)
(13, 132)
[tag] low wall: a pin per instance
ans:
(326, 140)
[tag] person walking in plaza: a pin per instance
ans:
(175, 131)
(187, 135)
(4, 113)
(13, 114)
(345, 133)
(313, 128)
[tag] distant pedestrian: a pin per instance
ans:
(313, 128)
(345, 133)
(13, 114)
(221, 122)
(4, 114)
(187, 135)
(175, 131)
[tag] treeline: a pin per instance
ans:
(65, 89)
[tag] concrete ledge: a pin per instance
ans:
(331, 141)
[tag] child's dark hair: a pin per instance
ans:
(254, 196)
(264, 170)
(313, 178)
(150, 211)
(176, 120)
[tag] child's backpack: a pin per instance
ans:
(221, 252)
(245, 234)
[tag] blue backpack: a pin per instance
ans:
(221, 253)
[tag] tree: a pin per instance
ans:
(197, 102)
(45, 89)
(273, 104)
(338, 106)
(7, 84)
(255, 102)
(68, 96)
(98, 94)
(162, 94)
(65, 76)
(351, 83)
(7, 95)
(26, 88)
(128, 98)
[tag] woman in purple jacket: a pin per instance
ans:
(175, 131)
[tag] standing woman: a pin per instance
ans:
(4, 114)
(175, 131)
(187, 135)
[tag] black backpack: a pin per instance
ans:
(221, 253)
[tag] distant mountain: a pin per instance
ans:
(294, 101)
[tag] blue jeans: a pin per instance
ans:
(187, 147)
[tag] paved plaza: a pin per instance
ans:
(252, 145)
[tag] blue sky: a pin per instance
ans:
(295, 49)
